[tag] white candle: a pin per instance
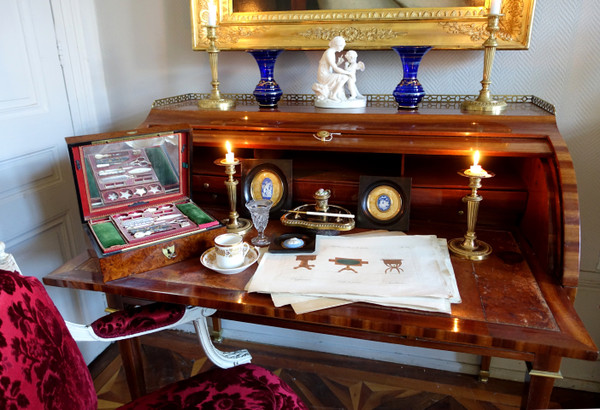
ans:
(495, 6)
(475, 169)
(229, 158)
(212, 14)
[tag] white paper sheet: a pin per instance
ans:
(376, 266)
(303, 303)
(351, 268)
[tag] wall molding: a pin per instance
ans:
(34, 98)
(589, 280)
(74, 51)
(59, 223)
(46, 177)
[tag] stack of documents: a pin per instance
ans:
(387, 269)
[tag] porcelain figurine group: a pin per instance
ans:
(336, 78)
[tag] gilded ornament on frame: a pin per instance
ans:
(452, 24)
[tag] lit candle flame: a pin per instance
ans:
(229, 158)
(475, 169)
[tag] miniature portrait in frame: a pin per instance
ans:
(268, 179)
(383, 203)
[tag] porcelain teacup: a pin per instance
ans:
(231, 250)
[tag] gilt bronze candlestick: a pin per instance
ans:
(469, 247)
(234, 223)
(215, 101)
(485, 103)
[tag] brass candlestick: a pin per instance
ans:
(215, 101)
(234, 223)
(484, 103)
(469, 247)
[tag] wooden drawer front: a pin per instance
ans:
(499, 208)
(209, 184)
(210, 190)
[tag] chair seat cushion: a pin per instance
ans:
(242, 387)
(139, 319)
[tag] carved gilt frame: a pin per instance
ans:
(366, 29)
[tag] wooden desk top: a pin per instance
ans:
(526, 124)
(509, 308)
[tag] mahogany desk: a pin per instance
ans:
(518, 304)
(508, 310)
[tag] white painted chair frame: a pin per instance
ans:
(196, 314)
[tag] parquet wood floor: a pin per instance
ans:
(324, 381)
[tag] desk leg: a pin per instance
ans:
(484, 369)
(131, 356)
(132, 364)
(217, 332)
(545, 370)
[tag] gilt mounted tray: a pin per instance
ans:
(337, 219)
(133, 189)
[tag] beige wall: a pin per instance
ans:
(146, 55)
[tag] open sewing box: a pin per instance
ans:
(133, 189)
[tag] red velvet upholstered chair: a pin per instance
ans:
(42, 368)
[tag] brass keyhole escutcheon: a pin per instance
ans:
(169, 252)
(325, 135)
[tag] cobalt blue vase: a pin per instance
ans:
(267, 92)
(409, 91)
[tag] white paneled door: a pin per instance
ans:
(39, 219)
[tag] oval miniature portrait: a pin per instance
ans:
(267, 184)
(384, 203)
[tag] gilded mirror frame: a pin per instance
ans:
(366, 29)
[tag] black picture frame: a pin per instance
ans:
(384, 202)
(255, 174)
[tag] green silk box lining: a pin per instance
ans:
(196, 214)
(94, 191)
(108, 234)
(162, 166)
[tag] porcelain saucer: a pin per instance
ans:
(209, 259)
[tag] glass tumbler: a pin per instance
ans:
(259, 211)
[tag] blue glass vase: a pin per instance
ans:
(267, 91)
(409, 91)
